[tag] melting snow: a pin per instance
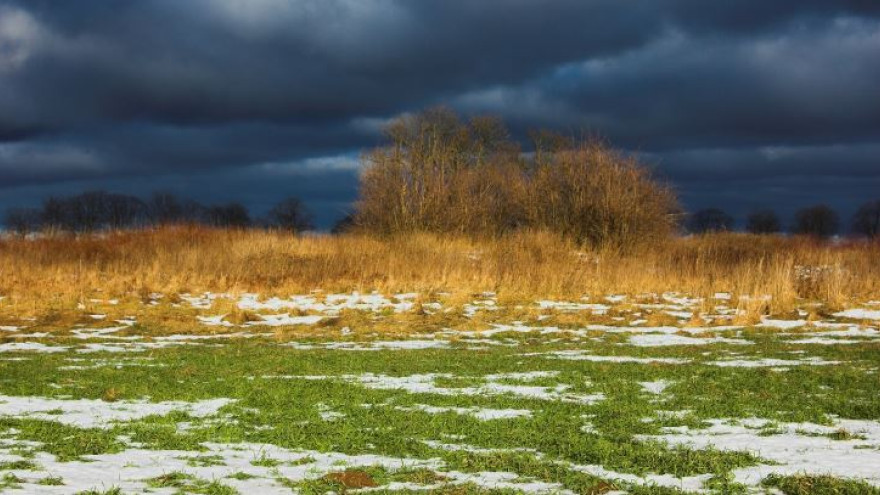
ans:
(130, 470)
(655, 387)
(661, 340)
(860, 314)
(798, 449)
(424, 384)
(772, 363)
(89, 413)
(30, 347)
(584, 356)
(483, 414)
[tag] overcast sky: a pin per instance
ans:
(743, 104)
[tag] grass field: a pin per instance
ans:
(333, 393)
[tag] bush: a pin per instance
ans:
(763, 222)
(441, 175)
(291, 215)
(866, 221)
(599, 197)
(710, 220)
(817, 221)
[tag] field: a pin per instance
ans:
(220, 362)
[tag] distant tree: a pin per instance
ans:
(710, 220)
(233, 215)
(291, 215)
(23, 221)
(165, 208)
(763, 222)
(94, 210)
(866, 221)
(343, 225)
(86, 211)
(194, 212)
(817, 221)
(55, 215)
(121, 211)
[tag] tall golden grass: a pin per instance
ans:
(528, 265)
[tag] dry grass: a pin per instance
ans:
(61, 271)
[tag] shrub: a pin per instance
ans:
(710, 220)
(291, 215)
(818, 221)
(866, 221)
(763, 222)
(599, 197)
(441, 175)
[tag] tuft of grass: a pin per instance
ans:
(51, 481)
(819, 485)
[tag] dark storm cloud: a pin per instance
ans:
(137, 94)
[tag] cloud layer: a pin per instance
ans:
(747, 103)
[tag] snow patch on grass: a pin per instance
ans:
(796, 448)
(90, 413)
(663, 340)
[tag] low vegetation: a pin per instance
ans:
(61, 271)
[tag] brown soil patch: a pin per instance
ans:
(352, 479)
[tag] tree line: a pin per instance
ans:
(819, 221)
(439, 173)
(99, 210)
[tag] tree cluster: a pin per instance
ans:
(98, 210)
(443, 175)
(819, 221)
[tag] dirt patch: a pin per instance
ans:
(352, 479)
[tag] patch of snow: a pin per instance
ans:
(214, 321)
(799, 448)
(598, 309)
(655, 387)
(382, 345)
(859, 314)
(662, 340)
(285, 319)
(772, 363)
(825, 341)
(89, 413)
(584, 356)
(483, 414)
(782, 324)
(424, 384)
(30, 347)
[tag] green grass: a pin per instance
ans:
(808, 485)
(273, 407)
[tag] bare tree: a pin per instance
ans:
(121, 211)
(439, 174)
(710, 220)
(866, 221)
(291, 215)
(55, 215)
(818, 221)
(233, 215)
(763, 222)
(343, 225)
(23, 221)
(165, 208)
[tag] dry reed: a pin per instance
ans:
(61, 270)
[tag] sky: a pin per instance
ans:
(739, 105)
